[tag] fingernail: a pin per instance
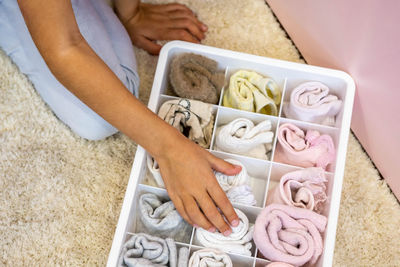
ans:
(204, 27)
(195, 226)
(212, 229)
(235, 223)
(227, 232)
(238, 168)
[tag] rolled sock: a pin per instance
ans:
(303, 188)
(159, 216)
(192, 118)
(289, 234)
(242, 137)
(143, 250)
(209, 257)
(312, 102)
(250, 91)
(237, 186)
(242, 194)
(183, 258)
(196, 77)
(305, 150)
(237, 242)
(152, 166)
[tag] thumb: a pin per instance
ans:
(223, 166)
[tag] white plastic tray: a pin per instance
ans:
(266, 173)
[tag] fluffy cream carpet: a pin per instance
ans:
(60, 195)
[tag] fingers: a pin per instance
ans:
(180, 208)
(190, 25)
(223, 166)
(195, 215)
(190, 16)
(212, 214)
(222, 201)
(147, 45)
(180, 34)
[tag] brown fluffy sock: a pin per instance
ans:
(196, 77)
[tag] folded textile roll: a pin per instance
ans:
(312, 102)
(306, 150)
(152, 166)
(143, 250)
(237, 186)
(289, 234)
(303, 188)
(159, 216)
(192, 118)
(242, 137)
(183, 258)
(237, 242)
(250, 91)
(209, 257)
(196, 77)
(278, 264)
(242, 194)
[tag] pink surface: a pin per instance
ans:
(361, 38)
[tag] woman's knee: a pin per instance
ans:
(94, 130)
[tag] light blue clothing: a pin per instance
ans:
(105, 34)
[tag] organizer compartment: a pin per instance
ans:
(265, 174)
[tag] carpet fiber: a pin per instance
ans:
(61, 195)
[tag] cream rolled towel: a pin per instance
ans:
(242, 137)
(303, 188)
(237, 242)
(189, 116)
(312, 102)
(159, 216)
(237, 186)
(209, 257)
(250, 91)
(143, 250)
(196, 77)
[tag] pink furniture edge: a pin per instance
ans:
(363, 39)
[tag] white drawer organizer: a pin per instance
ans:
(266, 173)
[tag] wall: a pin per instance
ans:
(361, 38)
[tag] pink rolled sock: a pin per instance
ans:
(305, 150)
(289, 234)
(303, 188)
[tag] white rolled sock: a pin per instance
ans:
(242, 137)
(237, 242)
(209, 257)
(237, 186)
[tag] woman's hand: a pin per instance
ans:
(150, 23)
(187, 171)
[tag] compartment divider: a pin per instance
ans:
(226, 83)
(250, 113)
(283, 97)
(311, 124)
(214, 129)
(274, 146)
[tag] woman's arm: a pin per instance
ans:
(56, 34)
